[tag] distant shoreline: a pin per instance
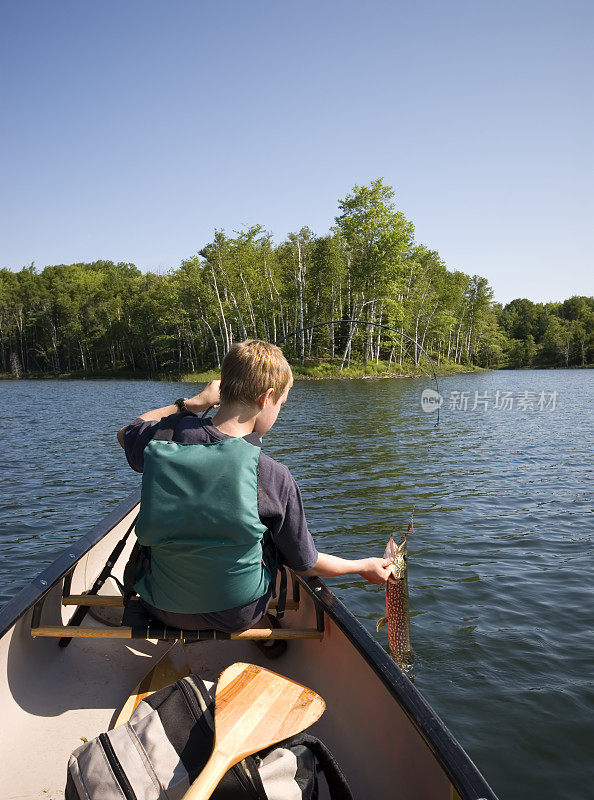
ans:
(319, 372)
(209, 375)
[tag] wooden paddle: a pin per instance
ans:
(254, 708)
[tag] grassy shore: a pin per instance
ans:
(327, 370)
(310, 371)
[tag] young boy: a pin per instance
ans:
(208, 509)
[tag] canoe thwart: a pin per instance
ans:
(173, 634)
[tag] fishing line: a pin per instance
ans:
(377, 325)
(411, 525)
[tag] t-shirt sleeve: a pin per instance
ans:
(281, 510)
(136, 437)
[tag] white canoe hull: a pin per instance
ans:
(384, 735)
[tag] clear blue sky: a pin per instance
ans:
(132, 128)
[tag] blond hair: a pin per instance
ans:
(252, 367)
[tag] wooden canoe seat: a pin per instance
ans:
(116, 601)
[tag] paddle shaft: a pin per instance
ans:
(210, 777)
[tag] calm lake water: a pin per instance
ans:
(501, 566)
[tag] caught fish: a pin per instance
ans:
(397, 612)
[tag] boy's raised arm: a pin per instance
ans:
(208, 397)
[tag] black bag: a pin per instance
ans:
(167, 741)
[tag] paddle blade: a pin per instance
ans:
(254, 709)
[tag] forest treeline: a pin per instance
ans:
(106, 317)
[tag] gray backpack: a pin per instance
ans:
(167, 741)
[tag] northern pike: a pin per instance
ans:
(397, 612)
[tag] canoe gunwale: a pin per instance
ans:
(463, 774)
(35, 591)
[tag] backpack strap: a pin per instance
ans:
(272, 559)
(337, 783)
(140, 558)
(282, 592)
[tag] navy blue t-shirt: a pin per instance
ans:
(280, 507)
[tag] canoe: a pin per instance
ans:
(385, 736)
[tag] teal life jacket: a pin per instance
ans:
(199, 517)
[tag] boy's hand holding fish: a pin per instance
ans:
(376, 570)
(373, 569)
